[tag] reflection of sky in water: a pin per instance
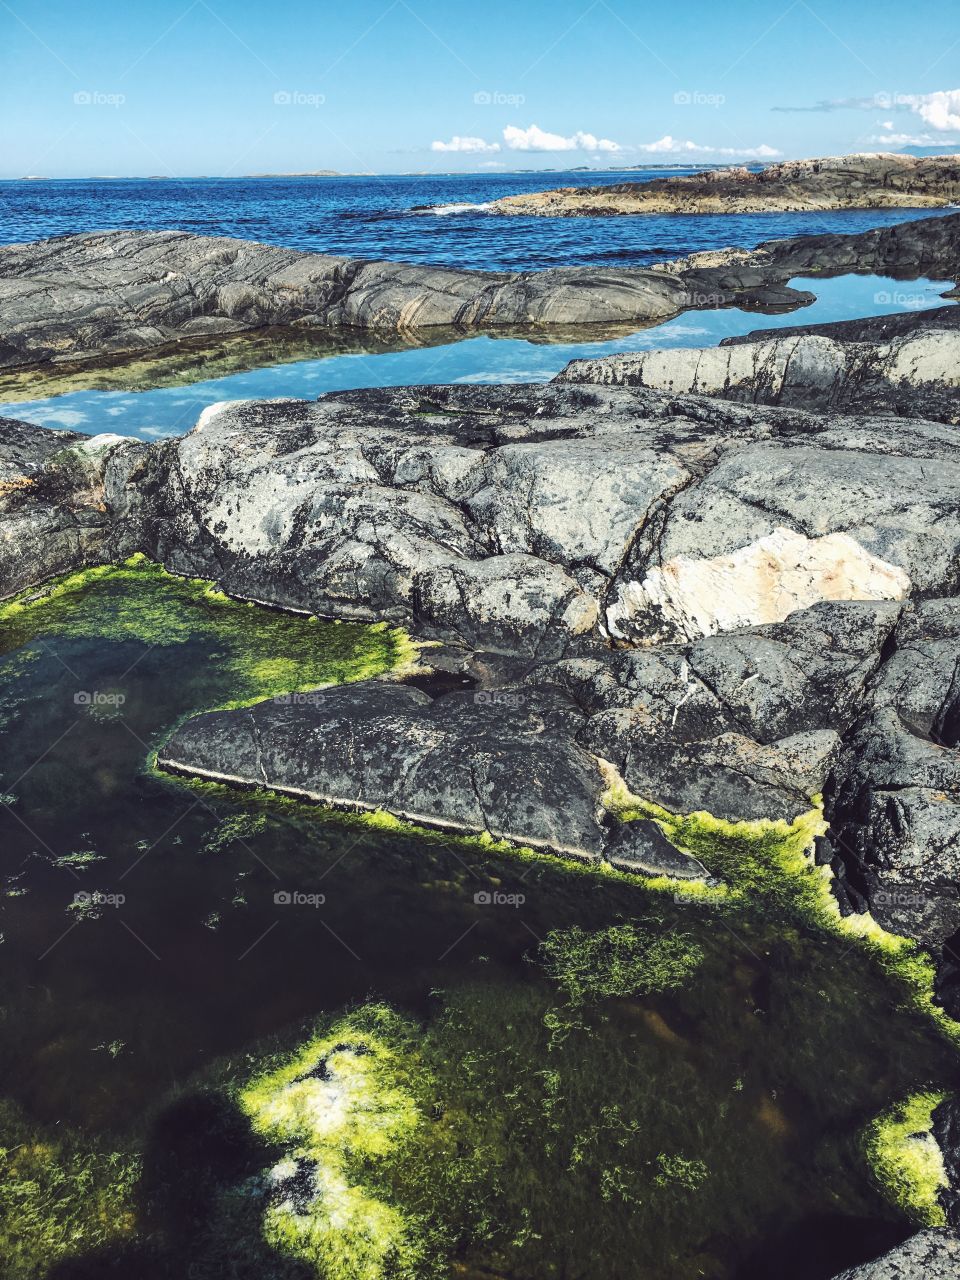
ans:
(172, 410)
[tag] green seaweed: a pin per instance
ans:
(906, 1159)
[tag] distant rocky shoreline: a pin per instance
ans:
(869, 181)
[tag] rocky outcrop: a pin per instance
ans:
(548, 520)
(930, 1255)
(59, 501)
(712, 606)
(895, 813)
(77, 297)
(915, 375)
(867, 181)
(104, 294)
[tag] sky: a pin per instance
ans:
(211, 87)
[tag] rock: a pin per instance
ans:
(946, 1132)
(642, 848)
(896, 809)
(101, 293)
(56, 513)
(104, 294)
(866, 181)
(494, 518)
(466, 762)
(914, 375)
(930, 1255)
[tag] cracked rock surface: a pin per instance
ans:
(720, 607)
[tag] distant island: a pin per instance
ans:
(866, 181)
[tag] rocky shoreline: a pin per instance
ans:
(866, 181)
(76, 299)
(721, 582)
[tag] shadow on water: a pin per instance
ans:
(197, 1149)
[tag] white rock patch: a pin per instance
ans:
(762, 582)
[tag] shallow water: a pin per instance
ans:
(173, 409)
(763, 1069)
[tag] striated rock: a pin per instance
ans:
(104, 294)
(913, 375)
(75, 297)
(933, 1254)
(865, 181)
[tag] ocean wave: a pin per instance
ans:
(445, 210)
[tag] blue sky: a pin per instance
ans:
(190, 87)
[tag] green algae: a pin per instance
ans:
(260, 652)
(344, 1103)
(906, 1159)
(621, 960)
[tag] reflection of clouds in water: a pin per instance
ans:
(157, 432)
(45, 415)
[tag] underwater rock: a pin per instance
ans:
(642, 848)
(930, 1255)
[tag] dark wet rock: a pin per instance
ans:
(466, 762)
(930, 1255)
(641, 848)
(866, 181)
(896, 809)
(914, 375)
(946, 1131)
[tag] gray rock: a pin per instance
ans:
(933, 1254)
(506, 764)
(866, 181)
(76, 297)
(914, 375)
(641, 847)
(896, 808)
(102, 294)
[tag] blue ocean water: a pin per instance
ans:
(370, 217)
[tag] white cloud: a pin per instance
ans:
(940, 110)
(471, 145)
(668, 145)
(537, 139)
(910, 140)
